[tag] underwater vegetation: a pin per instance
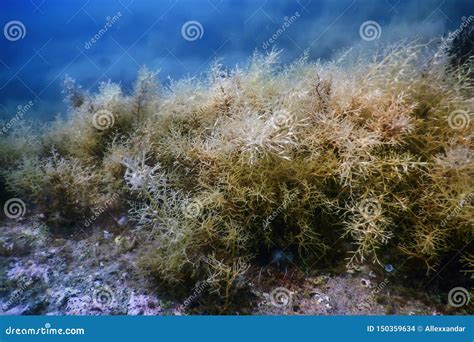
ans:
(370, 153)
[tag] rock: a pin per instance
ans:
(320, 280)
(82, 306)
(17, 310)
(20, 246)
(61, 297)
(28, 270)
(6, 249)
(322, 299)
(143, 305)
(123, 220)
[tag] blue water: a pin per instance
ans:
(54, 38)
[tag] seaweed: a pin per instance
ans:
(220, 170)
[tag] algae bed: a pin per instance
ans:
(311, 187)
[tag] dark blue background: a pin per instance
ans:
(149, 33)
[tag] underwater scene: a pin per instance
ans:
(224, 157)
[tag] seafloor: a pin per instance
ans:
(95, 274)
